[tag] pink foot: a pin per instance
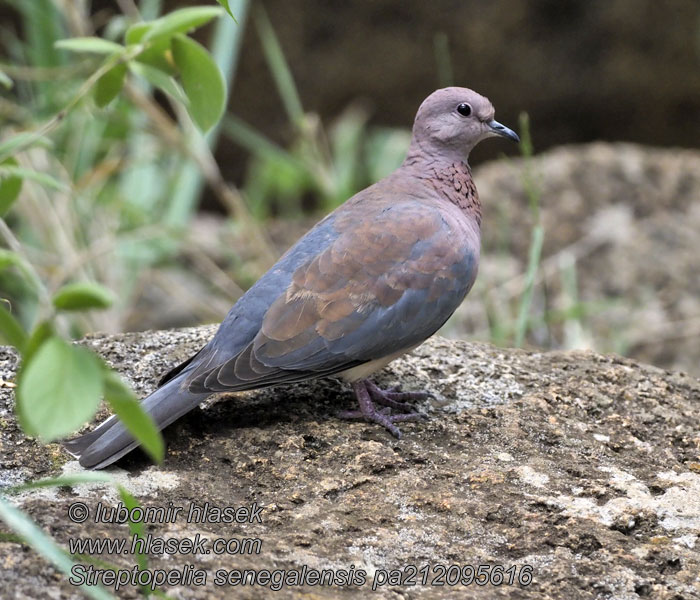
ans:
(366, 392)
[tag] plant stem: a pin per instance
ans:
(537, 237)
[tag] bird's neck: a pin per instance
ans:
(453, 181)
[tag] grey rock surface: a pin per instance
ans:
(586, 467)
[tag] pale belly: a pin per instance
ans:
(365, 370)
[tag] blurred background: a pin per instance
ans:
(590, 235)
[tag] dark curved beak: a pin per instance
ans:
(503, 131)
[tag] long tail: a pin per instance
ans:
(111, 440)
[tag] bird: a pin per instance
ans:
(368, 283)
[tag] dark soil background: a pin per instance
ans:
(584, 70)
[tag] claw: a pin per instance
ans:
(395, 398)
(366, 392)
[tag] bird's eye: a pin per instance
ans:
(464, 109)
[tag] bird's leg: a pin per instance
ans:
(366, 391)
(394, 397)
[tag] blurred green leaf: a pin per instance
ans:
(225, 4)
(8, 258)
(59, 389)
(35, 537)
(128, 408)
(255, 142)
(7, 169)
(110, 84)
(161, 80)
(82, 296)
(202, 81)
(25, 138)
(277, 181)
(11, 332)
(10, 186)
(346, 139)
(385, 150)
(93, 45)
(44, 24)
(136, 32)
(158, 55)
(181, 21)
(42, 332)
(10, 144)
(5, 81)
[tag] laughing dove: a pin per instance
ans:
(370, 282)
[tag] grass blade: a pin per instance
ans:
(537, 238)
(279, 67)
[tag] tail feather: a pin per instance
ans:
(111, 440)
(77, 446)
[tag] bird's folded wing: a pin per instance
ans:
(388, 280)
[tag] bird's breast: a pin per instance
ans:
(455, 184)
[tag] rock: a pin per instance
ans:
(586, 467)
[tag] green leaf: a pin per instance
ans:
(10, 185)
(44, 545)
(59, 389)
(110, 84)
(181, 21)
(10, 170)
(42, 332)
(158, 55)
(224, 3)
(161, 80)
(8, 258)
(202, 81)
(11, 332)
(10, 144)
(26, 138)
(5, 81)
(128, 408)
(157, 52)
(136, 32)
(93, 45)
(83, 295)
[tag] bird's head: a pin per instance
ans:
(453, 120)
